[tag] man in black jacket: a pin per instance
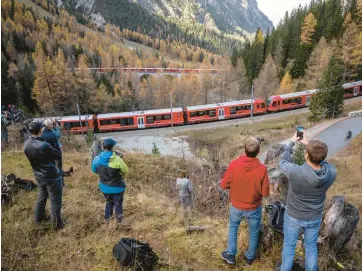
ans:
(42, 156)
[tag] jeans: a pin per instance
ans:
(254, 218)
(114, 201)
(53, 189)
(292, 228)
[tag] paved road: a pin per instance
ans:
(209, 125)
(334, 136)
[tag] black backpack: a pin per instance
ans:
(132, 253)
(276, 215)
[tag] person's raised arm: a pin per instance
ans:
(285, 161)
(52, 153)
(123, 167)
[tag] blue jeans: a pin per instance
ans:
(292, 228)
(254, 218)
(113, 201)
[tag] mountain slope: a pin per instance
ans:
(234, 19)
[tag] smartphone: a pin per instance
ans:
(300, 131)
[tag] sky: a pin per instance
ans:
(275, 9)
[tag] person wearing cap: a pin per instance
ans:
(247, 181)
(111, 170)
(42, 157)
(51, 135)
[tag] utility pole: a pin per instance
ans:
(171, 110)
(80, 119)
(252, 101)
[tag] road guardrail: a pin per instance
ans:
(355, 114)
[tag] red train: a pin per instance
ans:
(195, 114)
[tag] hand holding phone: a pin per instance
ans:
(300, 132)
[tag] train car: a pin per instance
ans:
(290, 101)
(139, 119)
(227, 110)
(353, 89)
(71, 124)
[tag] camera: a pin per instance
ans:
(300, 132)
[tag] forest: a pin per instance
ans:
(39, 55)
(42, 46)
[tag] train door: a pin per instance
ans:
(221, 113)
(355, 91)
(308, 101)
(141, 122)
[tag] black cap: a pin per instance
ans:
(35, 127)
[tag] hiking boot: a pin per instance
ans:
(248, 262)
(230, 259)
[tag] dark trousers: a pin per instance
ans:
(114, 201)
(59, 164)
(52, 189)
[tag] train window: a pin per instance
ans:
(299, 100)
(274, 104)
(76, 124)
(126, 121)
(104, 122)
(167, 117)
(262, 105)
(232, 110)
(258, 106)
(212, 113)
(248, 107)
(268, 102)
(149, 119)
(157, 118)
(285, 102)
(202, 113)
(115, 121)
(193, 114)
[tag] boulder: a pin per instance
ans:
(95, 148)
(278, 183)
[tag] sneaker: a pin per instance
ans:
(248, 262)
(230, 259)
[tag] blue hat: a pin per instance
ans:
(109, 142)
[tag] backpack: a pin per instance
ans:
(133, 253)
(275, 213)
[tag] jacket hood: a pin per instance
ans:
(249, 163)
(318, 177)
(107, 156)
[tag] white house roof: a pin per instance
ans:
(352, 84)
(137, 113)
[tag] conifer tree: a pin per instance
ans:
(286, 85)
(308, 29)
(328, 102)
(267, 83)
(242, 79)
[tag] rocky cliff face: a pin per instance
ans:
(231, 16)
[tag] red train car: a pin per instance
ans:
(139, 119)
(353, 89)
(227, 110)
(290, 101)
(72, 125)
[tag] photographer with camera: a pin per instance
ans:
(112, 170)
(308, 185)
(51, 134)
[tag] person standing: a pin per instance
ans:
(247, 180)
(308, 185)
(51, 134)
(111, 170)
(42, 156)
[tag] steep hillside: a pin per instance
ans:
(186, 20)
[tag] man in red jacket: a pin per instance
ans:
(247, 180)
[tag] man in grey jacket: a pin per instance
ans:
(308, 185)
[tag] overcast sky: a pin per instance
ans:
(275, 9)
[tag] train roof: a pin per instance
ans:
(352, 84)
(207, 106)
(137, 113)
(295, 94)
(76, 118)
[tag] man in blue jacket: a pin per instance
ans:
(42, 156)
(111, 169)
(308, 185)
(51, 135)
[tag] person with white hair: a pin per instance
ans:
(51, 134)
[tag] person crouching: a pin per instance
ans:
(111, 169)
